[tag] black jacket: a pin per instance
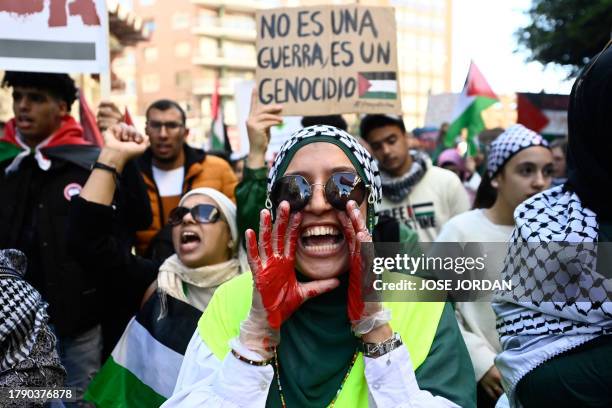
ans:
(34, 218)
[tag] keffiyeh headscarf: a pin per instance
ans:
(505, 146)
(364, 164)
(562, 292)
(23, 313)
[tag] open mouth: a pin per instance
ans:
(321, 239)
(189, 240)
(23, 121)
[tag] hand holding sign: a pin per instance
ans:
(261, 119)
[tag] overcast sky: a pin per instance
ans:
(483, 31)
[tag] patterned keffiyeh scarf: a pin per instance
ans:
(396, 189)
(561, 295)
(22, 310)
(359, 156)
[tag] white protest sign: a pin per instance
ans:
(324, 60)
(54, 36)
(278, 134)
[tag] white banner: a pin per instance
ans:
(64, 36)
(278, 134)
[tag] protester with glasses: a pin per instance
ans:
(170, 168)
(297, 332)
(205, 239)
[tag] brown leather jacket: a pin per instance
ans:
(201, 170)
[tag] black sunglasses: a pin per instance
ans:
(339, 189)
(202, 213)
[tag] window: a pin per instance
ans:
(208, 47)
(182, 80)
(150, 83)
(182, 49)
(208, 18)
(180, 20)
(149, 27)
(239, 51)
(151, 54)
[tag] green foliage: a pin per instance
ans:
(566, 32)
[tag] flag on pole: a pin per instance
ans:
(217, 137)
(91, 133)
(127, 118)
(476, 96)
(144, 365)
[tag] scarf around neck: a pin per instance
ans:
(173, 274)
(561, 295)
(396, 189)
(23, 313)
(316, 350)
(13, 147)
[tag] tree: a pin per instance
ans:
(566, 32)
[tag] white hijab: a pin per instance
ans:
(173, 273)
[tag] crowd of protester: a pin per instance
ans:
(247, 276)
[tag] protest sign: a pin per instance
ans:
(278, 134)
(328, 59)
(54, 36)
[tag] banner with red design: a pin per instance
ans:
(65, 36)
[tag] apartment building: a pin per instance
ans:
(194, 42)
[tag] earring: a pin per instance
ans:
(494, 183)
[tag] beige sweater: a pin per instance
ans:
(477, 319)
(435, 199)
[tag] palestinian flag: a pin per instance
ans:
(144, 366)
(377, 85)
(476, 96)
(217, 137)
(543, 113)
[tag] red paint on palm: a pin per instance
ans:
(279, 290)
(274, 277)
(356, 305)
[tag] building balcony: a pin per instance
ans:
(229, 33)
(205, 87)
(243, 6)
(224, 62)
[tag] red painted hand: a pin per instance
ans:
(273, 266)
(360, 285)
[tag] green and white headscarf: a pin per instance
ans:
(360, 158)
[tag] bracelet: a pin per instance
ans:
(102, 166)
(375, 350)
(251, 362)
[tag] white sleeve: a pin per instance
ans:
(392, 383)
(205, 381)
(480, 351)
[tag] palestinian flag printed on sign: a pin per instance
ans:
(377, 85)
(144, 366)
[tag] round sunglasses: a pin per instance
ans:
(202, 213)
(339, 189)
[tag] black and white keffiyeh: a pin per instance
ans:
(505, 146)
(22, 310)
(359, 156)
(559, 299)
(396, 189)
